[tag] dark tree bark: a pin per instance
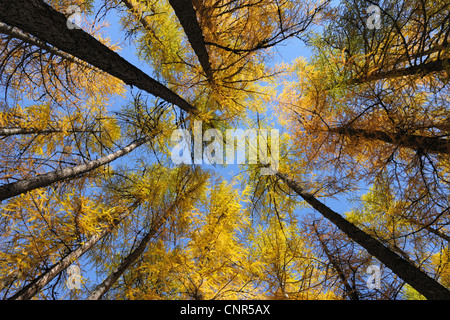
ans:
(437, 233)
(419, 280)
(186, 14)
(412, 141)
(48, 25)
(17, 34)
(188, 18)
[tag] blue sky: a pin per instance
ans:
(286, 52)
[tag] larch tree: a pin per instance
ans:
(368, 105)
(88, 181)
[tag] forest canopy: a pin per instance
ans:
(336, 182)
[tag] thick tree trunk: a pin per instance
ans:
(419, 280)
(48, 25)
(412, 141)
(40, 282)
(188, 18)
(17, 34)
(16, 188)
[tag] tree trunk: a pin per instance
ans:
(188, 18)
(16, 188)
(351, 292)
(138, 15)
(15, 33)
(40, 282)
(429, 228)
(412, 141)
(157, 223)
(186, 14)
(419, 280)
(437, 233)
(6, 132)
(420, 69)
(104, 287)
(438, 49)
(48, 25)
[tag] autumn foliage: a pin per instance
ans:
(87, 180)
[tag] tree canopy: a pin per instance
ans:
(348, 170)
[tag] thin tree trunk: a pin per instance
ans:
(40, 282)
(419, 280)
(430, 229)
(421, 69)
(6, 132)
(187, 16)
(138, 15)
(437, 233)
(440, 49)
(352, 293)
(412, 141)
(104, 287)
(16, 188)
(48, 25)
(158, 222)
